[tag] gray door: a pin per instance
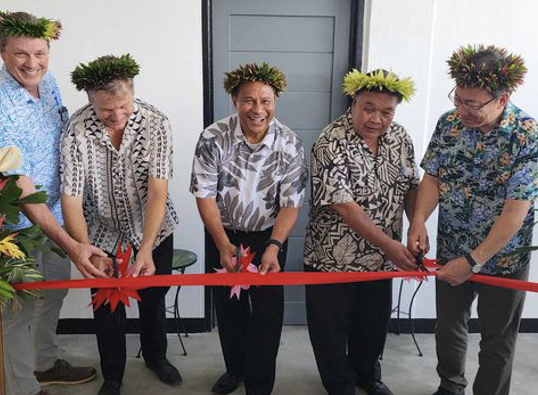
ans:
(309, 42)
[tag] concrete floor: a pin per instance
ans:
(403, 370)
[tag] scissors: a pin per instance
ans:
(238, 258)
(116, 273)
(420, 262)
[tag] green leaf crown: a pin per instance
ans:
(103, 70)
(253, 72)
(12, 25)
(507, 75)
(381, 80)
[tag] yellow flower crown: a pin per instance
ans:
(378, 80)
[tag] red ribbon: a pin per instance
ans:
(114, 290)
(231, 279)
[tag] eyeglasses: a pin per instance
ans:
(469, 106)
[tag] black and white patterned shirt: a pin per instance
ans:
(249, 182)
(114, 182)
(344, 169)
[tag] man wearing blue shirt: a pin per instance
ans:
(31, 118)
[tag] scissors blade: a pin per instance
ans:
(115, 267)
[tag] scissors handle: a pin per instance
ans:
(420, 261)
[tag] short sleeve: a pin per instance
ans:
(431, 161)
(294, 177)
(410, 164)
(71, 167)
(330, 176)
(523, 184)
(205, 175)
(162, 150)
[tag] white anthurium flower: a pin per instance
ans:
(10, 158)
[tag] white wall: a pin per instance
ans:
(165, 37)
(415, 38)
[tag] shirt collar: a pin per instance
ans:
(17, 92)
(508, 120)
(268, 139)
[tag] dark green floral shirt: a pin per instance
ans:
(477, 172)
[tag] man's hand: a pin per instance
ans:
(270, 260)
(103, 264)
(143, 265)
(455, 272)
(227, 252)
(81, 253)
(400, 256)
(417, 238)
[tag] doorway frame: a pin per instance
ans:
(355, 54)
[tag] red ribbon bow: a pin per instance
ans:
(244, 260)
(113, 296)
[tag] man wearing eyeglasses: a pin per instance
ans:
(480, 169)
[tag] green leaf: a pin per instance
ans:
(59, 251)
(33, 230)
(34, 198)
(9, 197)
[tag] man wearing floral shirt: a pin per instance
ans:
(481, 169)
(363, 179)
(249, 178)
(31, 118)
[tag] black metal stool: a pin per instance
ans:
(181, 260)
(409, 313)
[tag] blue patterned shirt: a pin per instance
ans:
(477, 172)
(34, 126)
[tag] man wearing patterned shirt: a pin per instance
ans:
(116, 163)
(249, 177)
(363, 178)
(31, 118)
(481, 170)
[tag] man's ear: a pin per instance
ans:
(504, 98)
(354, 101)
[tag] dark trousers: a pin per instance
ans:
(348, 325)
(249, 328)
(499, 314)
(111, 327)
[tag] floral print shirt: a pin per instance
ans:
(34, 126)
(477, 172)
(344, 169)
(249, 182)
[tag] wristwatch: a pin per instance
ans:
(475, 266)
(275, 242)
